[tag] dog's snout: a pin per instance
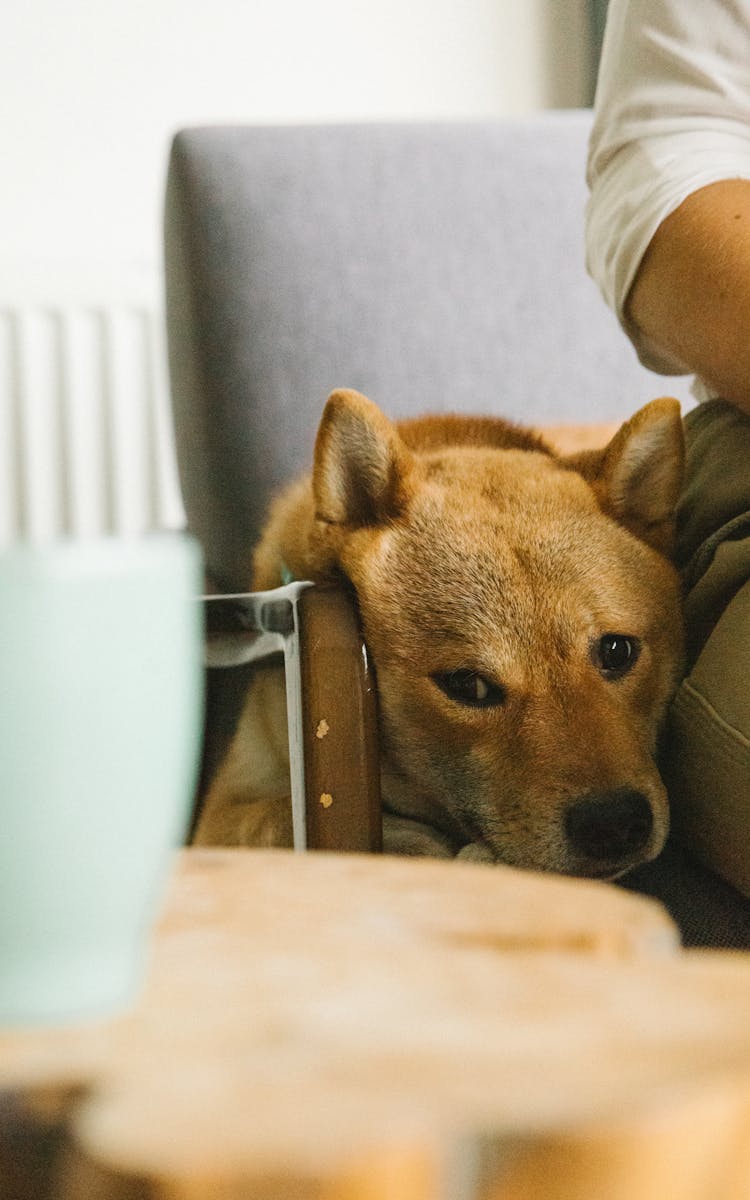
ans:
(610, 826)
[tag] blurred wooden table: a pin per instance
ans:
(344, 1026)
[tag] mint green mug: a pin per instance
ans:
(100, 718)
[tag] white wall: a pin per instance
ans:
(90, 94)
(90, 91)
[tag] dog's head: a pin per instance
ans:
(524, 622)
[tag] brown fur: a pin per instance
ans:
(470, 544)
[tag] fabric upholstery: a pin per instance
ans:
(432, 266)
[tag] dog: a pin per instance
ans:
(523, 618)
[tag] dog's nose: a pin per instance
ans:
(609, 826)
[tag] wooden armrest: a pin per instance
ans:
(340, 736)
(569, 439)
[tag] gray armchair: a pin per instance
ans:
(431, 266)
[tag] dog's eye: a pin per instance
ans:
(615, 654)
(470, 688)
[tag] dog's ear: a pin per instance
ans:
(638, 477)
(361, 466)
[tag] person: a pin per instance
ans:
(668, 242)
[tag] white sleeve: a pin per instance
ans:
(672, 114)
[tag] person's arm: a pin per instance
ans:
(668, 218)
(690, 299)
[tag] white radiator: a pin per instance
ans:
(86, 444)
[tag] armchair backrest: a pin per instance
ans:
(432, 266)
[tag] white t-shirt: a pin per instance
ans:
(672, 114)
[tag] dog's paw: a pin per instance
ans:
(476, 852)
(404, 836)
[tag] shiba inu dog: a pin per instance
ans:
(524, 622)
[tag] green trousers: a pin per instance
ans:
(707, 745)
